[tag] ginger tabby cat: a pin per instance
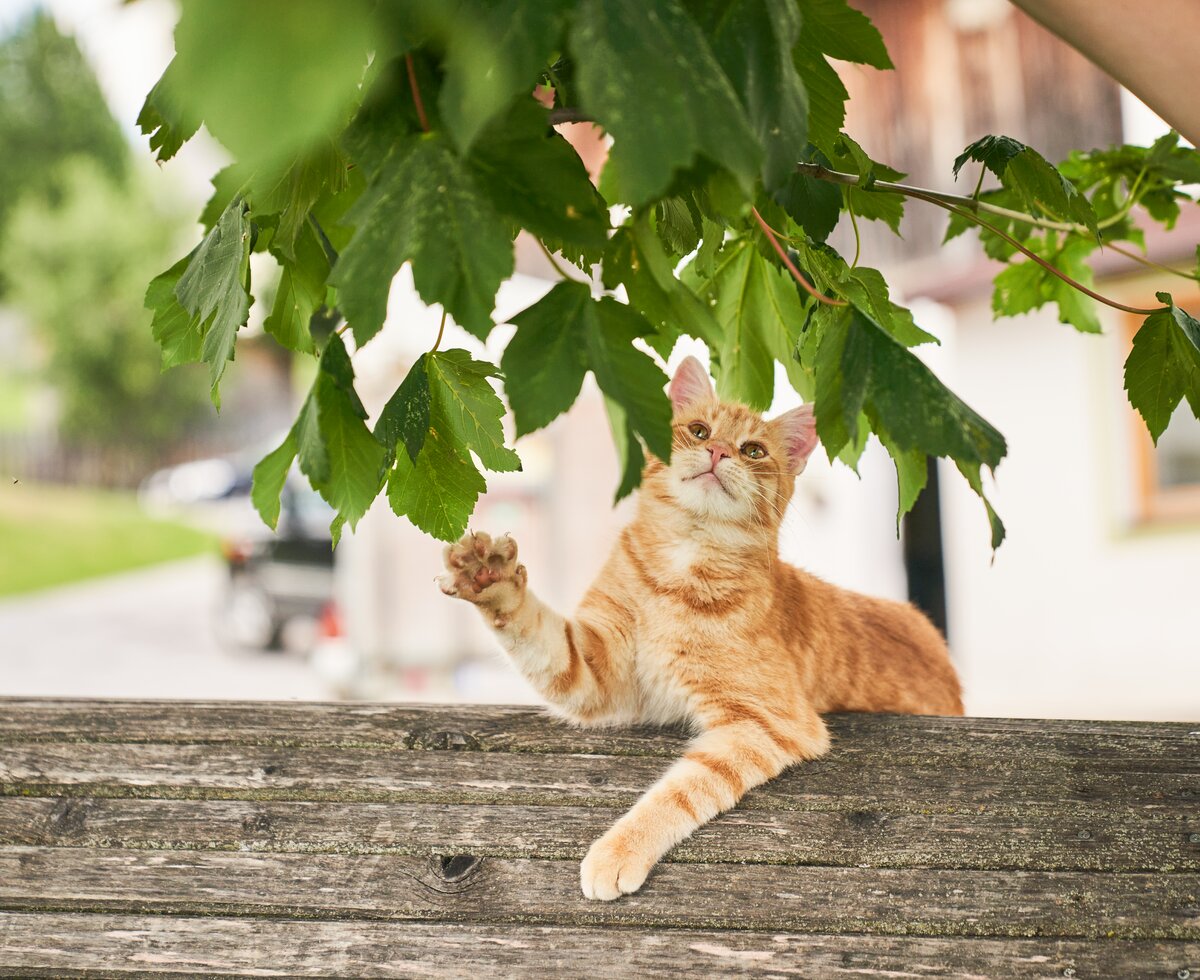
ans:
(695, 620)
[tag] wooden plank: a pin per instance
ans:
(492, 890)
(71, 945)
(1044, 839)
(358, 775)
(522, 729)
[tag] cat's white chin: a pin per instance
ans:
(707, 495)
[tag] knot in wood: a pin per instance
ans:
(864, 819)
(442, 741)
(454, 868)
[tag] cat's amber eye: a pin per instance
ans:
(755, 450)
(699, 430)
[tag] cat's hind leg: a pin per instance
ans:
(719, 767)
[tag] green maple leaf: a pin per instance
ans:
(354, 459)
(387, 113)
(177, 332)
(846, 154)
(342, 460)
(993, 152)
(753, 40)
(760, 315)
(677, 222)
(865, 288)
(861, 368)
(406, 416)
(545, 362)
(291, 192)
(467, 408)
(438, 491)
(270, 474)
(815, 205)
(214, 289)
(839, 31)
(534, 176)
(495, 58)
(300, 294)
(564, 335)
(636, 260)
(1025, 286)
(648, 76)
(166, 118)
(270, 77)
(1163, 367)
(1035, 180)
(425, 206)
(630, 455)
(826, 94)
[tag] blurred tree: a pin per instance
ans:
(52, 109)
(78, 269)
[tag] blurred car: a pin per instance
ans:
(276, 579)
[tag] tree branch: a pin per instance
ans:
(416, 92)
(568, 114)
(791, 266)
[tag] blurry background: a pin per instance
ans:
(131, 563)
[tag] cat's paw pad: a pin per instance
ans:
(483, 571)
(613, 868)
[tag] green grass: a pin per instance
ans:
(50, 535)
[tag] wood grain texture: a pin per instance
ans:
(370, 775)
(176, 838)
(1038, 840)
(138, 945)
(726, 896)
(522, 729)
(72, 945)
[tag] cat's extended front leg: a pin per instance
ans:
(574, 665)
(719, 767)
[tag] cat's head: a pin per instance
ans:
(728, 463)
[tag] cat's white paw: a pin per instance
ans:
(613, 868)
(484, 571)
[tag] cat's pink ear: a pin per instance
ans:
(798, 429)
(690, 384)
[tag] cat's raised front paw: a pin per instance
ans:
(613, 868)
(484, 571)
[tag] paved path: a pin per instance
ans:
(146, 634)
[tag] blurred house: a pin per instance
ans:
(1085, 611)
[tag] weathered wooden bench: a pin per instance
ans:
(171, 838)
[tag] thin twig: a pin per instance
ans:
(857, 239)
(791, 266)
(979, 183)
(931, 199)
(441, 329)
(557, 268)
(416, 92)
(1150, 263)
(818, 172)
(568, 114)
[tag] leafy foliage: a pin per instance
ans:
(1164, 366)
(408, 134)
(52, 109)
(79, 271)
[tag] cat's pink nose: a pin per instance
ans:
(718, 453)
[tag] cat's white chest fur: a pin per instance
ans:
(661, 664)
